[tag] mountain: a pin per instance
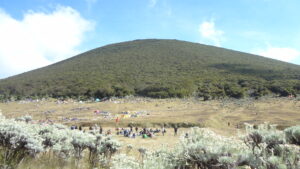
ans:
(157, 68)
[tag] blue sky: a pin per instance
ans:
(35, 33)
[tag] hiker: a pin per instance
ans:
(100, 130)
(126, 133)
(163, 131)
(131, 128)
(175, 130)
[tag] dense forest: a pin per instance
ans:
(159, 69)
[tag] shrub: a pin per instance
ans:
(150, 160)
(269, 148)
(204, 149)
(18, 141)
(292, 135)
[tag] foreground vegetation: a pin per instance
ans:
(159, 69)
(261, 147)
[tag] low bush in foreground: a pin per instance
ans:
(261, 148)
(21, 140)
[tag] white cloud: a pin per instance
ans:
(283, 54)
(208, 31)
(39, 39)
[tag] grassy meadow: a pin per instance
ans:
(221, 115)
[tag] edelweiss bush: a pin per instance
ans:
(262, 147)
(205, 149)
(150, 160)
(102, 149)
(269, 148)
(19, 139)
(293, 135)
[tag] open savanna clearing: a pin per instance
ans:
(219, 114)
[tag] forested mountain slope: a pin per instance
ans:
(157, 68)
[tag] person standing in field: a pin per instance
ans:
(100, 130)
(131, 128)
(163, 131)
(136, 129)
(175, 130)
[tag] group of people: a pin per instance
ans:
(134, 132)
(144, 132)
(130, 132)
(74, 127)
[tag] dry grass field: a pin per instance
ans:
(213, 114)
(223, 116)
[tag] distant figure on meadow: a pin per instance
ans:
(163, 131)
(131, 128)
(175, 130)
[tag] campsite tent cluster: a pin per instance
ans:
(133, 114)
(121, 115)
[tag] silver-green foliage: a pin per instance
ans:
(293, 135)
(269, 148)
(20, 139)
(205, 149)
(262, 147)
(149, 160)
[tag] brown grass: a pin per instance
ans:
(213, 114)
